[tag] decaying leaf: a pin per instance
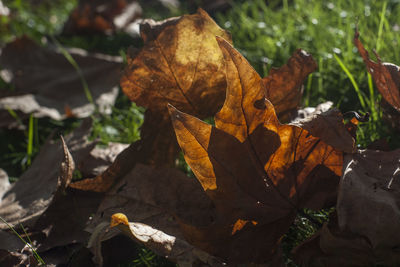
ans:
(329, 127)
(44, 204)
(163, 244)
(179, 64)
(385, 75)
(365, 232)
(156, 198)
(283, 86)
(158, 148)
(256, 171)
(46, 83)
(30, 196)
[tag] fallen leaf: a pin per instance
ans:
(283, 86)
(45, 82)
(102, 16)
(256, 171)
(365, 232)
(26, 199)
(329, 127)
(67, 213)
(155, 198)
(158, 148)
(180, 64)
(163, 244)
(100, 158)
(385, 75)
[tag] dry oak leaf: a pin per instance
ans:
(366, 230)
(385, 75)
(180, 64)
(257, 171)
(283, 86)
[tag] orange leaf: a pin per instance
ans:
(385, 75)
(253, 168)
(179, 64)
(283, 86)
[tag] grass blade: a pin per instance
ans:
(353, 81)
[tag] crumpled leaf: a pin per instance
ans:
(365, 232)
(256, 171)
(385, 75)
(180, 64)
(160, 198)
(283, 86)
(329, 127)
(32, 194)
(46, 84)
(158, 148)
(42, 201)
(162, 243)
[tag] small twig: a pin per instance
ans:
(355, 114)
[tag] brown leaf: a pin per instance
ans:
(385, 75)
(179, 64)
(163, 244)
(368, 216)
(155, 197)
(30, 196)
(67, 168)
(65, 219)
(283, 86)
(255, 170)
(158, 148)
(45, 82)
(329, 127)
(102, 16)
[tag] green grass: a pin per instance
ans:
(267, 34)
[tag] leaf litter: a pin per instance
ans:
(253, 174)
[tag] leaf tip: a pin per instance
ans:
(118, 218)
(173, 112)
(222, 42)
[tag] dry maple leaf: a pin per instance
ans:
(283, 86)
(257, 171)
(366, 229)
(385, 75)
(175, 65)
(180, 64)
